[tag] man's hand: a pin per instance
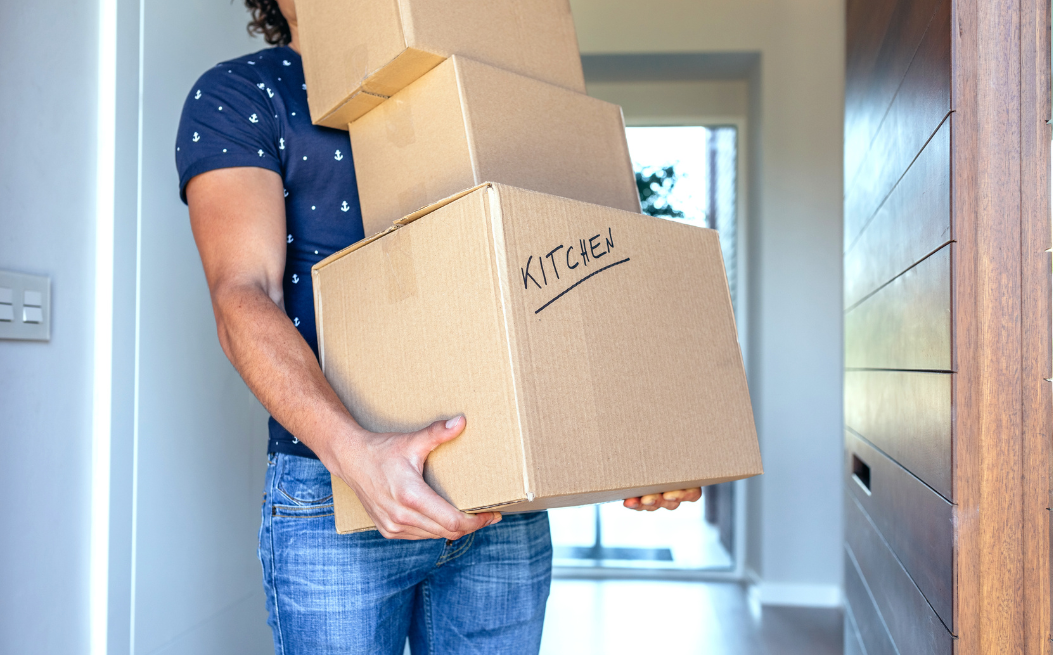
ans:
(386, 472)
(668, 500)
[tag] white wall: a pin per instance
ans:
(47, 227)
(661, 102)
(795, 257)
(187, 436)
(202, 437)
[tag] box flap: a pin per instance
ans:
(424, 211)
(341, 50)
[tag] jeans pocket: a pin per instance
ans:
(301, 511)
(302, 483)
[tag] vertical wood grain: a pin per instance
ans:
(1000, 156)
(1037, 317)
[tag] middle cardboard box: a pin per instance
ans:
(465, 122)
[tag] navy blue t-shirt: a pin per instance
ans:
(252, 111)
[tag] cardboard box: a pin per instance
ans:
(357, 53)
(465, 123)
(592, 350)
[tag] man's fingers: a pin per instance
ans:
(650, 501)
(683, 495)
(669, 500)
(437, 434)
(422, 500)
(406, 533)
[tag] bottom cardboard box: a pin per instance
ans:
(592, 350)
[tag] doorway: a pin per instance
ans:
(689, 174)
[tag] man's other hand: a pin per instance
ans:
(668, 500)
(386, 471)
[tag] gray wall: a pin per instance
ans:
(202, 436)
(187, 435)
(47, 227)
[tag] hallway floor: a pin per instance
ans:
(615, 617)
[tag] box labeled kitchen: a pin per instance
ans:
(465, 123)
(357, 53)
(592, 350)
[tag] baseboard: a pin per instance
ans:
(793, 595)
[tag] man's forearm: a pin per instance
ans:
(281, 370)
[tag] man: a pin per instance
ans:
(269, 196)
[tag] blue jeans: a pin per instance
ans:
(361, 594)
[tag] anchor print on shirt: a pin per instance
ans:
(259, 152)
(296, 322)
(295, 278)
(286, 192)
(261, 86)
(339, 156)
(270, 93)
(254, 119)
(196, 138)
(289, 239)
(345, 207)
(286, 62)
(281, 144)
(197, 96)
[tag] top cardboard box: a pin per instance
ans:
(592, 350)
(358, 53)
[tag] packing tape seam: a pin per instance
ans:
(347, 101)
(399, 267)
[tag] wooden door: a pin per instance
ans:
(947, 327)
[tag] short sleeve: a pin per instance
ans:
(228, 121)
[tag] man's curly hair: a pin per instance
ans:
(267, 20)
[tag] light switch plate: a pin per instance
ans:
(31, 288)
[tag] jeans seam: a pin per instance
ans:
(428, 629)
(300, 512)
(460, 551)
(301, 501)
(274, 584)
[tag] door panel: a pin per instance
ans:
(908, 416)
(913, 625)
(907, 324)
(915, 521)
(914, 222)
(920, 105)
(863, 613)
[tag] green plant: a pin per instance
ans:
(655, 185)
